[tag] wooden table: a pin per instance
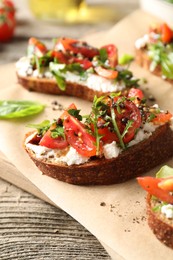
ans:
(31, 228)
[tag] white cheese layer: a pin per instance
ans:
(111, 150)
(167, 210)
(142, 42)
(93, 81)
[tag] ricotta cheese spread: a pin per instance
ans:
(167, 210)
(141, 42)
(111, 150)
(92, 81)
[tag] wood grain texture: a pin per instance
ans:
(33, 229)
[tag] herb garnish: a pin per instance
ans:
(42, 127)
(15, 109)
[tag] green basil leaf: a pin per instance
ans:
(60, 80)
(165, 172)
(125, 59)
(15, 109)
(42, 127)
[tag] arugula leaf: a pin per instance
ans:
(103, 55)
(128, 125)
(125, 59)
(57, 132)
(60, 80)
(15, 109)
(75, 113)
(42, 127)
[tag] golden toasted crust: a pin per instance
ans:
(131, 163)
(49, 86)
(160, 226)
(142, 58)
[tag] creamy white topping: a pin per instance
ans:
(93, 81)
(111, 150)
(167, 210)
(143, 133)
(141, 42)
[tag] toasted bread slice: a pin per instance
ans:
(49, 86)
(142, 58)
(161, 226)
(131, 163)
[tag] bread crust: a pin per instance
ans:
(49, 86)
(142, 58)
(100, 171)
(162, 229)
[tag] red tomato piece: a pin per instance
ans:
(7, 26)
(65, 113)
(166, 33)
(75, 46)
(106, 73)
(85, 63)
(129, 112)
(137, 94)
(166, 184)
(54, 143)
(60, 56)
(78, 137)
(39, 48)
(8, 6)
(112, 52)
(162, 118)
(150, 184)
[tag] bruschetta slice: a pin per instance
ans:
(120, 138)
(74, 68)
(159, 202)
(154, 51)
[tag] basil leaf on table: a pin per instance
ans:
(15, 109)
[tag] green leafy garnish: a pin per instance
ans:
(162, 55)
(15, 109)
(103, 55)
(75, 113)
(42, 127)
(126, 76)
(57, 132)
(165, 172)
(126, 59)
(60, 80)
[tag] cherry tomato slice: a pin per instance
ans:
(112, 54)
(129, 112)
(65, 113)
(166, 33)
(137, 94)
(53, 143)
(162, 118)
(75, 46)
(78, 137)
(38, 48)
(7, 26)
(166, 184)
(60, 56)
(106, 73)
(150, 184)
(85, 63)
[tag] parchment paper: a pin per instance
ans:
(115, 214)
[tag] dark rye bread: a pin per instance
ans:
(131, 163)
(142, 58)
(49, 86)
(159, 224)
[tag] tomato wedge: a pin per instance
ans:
(112, 53)
(162, 118)
(166, 33)
(166, 184)
(129, 112)
(150, 184)
(78, 137)
(38, 48)
(65, 113)
(137, 94)
(75, 46)
(106, 73)
(54, 143)
(85, 63)
(60, 56)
